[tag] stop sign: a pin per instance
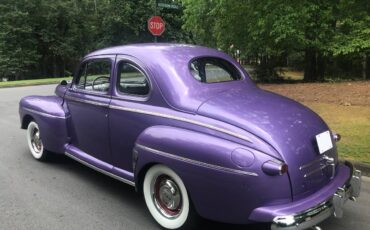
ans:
(156, 25)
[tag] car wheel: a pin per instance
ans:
(35, 143)
(167, 199)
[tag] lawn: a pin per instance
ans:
(31, 82)
(344, 106)
(353, 123)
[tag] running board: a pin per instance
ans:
(99, 169)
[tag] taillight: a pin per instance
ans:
(273, 168)
(336, 137)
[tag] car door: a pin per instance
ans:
(132, 90)
(88, 103)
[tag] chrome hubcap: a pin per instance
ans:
(36, 140)
(167, 197)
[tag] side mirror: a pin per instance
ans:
(63, 82)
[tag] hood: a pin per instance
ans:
(286, 125)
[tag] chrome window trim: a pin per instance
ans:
(110, 57)
(100, 170)
(127, 95)
(44, 114)
(239, 70)
(131, 97)
(195, 162)
(181, 119)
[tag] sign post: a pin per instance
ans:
(156, 26)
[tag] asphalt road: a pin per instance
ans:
(64, 194)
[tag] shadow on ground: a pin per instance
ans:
(127, 194)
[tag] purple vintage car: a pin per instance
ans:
(189, 129)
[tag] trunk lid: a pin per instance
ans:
(286, 125)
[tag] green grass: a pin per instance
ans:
(353, 123)
(32, 82)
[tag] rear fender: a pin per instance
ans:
(49, 114)
(219, 188)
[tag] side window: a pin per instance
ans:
(94, 75)
(131, 80)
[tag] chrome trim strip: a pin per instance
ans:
(195, 162)
(329, 161)
(130, 97)
(305, 219)
(89, 92)
(181, 119)
(100, 170)
(86, 101)
(315, 171)
(310, 163)
(44, 114)
(222, 130)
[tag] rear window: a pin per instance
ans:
(211, 70)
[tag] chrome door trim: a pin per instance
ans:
(86, 101)
(222, 130)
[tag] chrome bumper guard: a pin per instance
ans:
(313, 216)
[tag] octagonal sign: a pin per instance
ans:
(156, 25)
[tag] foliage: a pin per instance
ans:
(269, 33)
(17, 43)
(323, 38)
(353, 28)
(43, 37)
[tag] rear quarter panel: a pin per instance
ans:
(219, 189)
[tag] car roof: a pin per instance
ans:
(168, 63)
(135, 48)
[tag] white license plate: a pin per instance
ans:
(324, 142)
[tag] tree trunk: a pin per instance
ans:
(55, 69)
(364, 67)
(310, 73)
(44, 64)
(320, 67)
(63, 69)
(367, 67)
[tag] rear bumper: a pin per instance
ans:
(314, 215)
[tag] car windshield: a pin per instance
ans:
(211, 70)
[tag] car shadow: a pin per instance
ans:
(126, 194)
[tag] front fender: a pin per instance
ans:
(48, 113)
(219, 188)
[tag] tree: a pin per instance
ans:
(268, 31)
(200, 21)
(47, 38)
(353, 32)
(17, 44)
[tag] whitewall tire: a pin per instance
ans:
(166, 198)
(34, 141)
